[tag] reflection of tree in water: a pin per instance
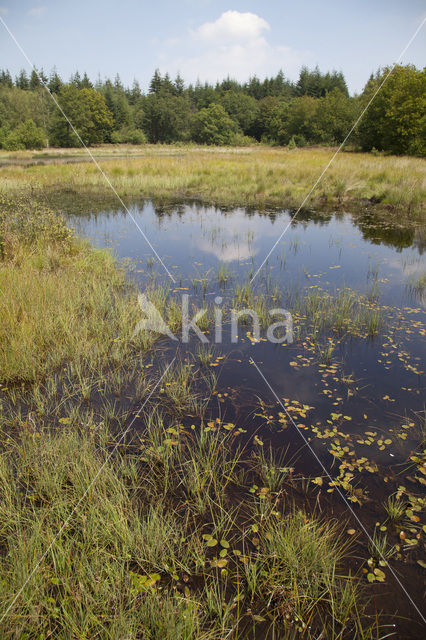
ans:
(317, 217)
(393, 233)
(419, 240)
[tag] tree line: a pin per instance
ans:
(315, 110)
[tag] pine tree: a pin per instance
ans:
(179, 85)
(117, 83)
(22, 81)
(135, 93)
(55, 83)
(156, 82)
(85, 83)
(6, 78)
(34, 80)
(76, 80)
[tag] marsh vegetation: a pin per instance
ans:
(165, 493)
(261, 177)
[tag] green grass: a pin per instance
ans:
(343, 311)
(70, 303)
(395, 509)
(178, 387)
(417, 286)
(154, 549)
(223, 274)
(258, 177)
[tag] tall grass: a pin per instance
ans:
(70, 302)
(231, 176)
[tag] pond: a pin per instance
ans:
(345, 399)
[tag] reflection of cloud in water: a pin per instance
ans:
(408, 271)
(228, 252)
(406, 267)
(235, 237)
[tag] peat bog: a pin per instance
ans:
(221, 512)
(352, 380)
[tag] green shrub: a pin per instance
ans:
(127, 135)
(240, 140)
(27, 135)
(30, 135)
(10, 140)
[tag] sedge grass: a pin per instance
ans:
(144, 552)
(70, 302)
(259, 176)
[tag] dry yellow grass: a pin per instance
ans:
(254, 176)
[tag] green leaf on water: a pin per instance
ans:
(380, 575)
(212, 542)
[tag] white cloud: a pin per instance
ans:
(234, 45)
(233, 26)
(35, 12)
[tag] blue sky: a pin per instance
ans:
(210, 39)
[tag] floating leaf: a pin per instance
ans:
(380, 576)
(212, 542)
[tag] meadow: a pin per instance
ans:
(258, 176)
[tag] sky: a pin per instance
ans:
(211, 39)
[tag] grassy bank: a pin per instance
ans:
(255, 176)
(69, 303)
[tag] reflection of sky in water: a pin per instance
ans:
(194, 240)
